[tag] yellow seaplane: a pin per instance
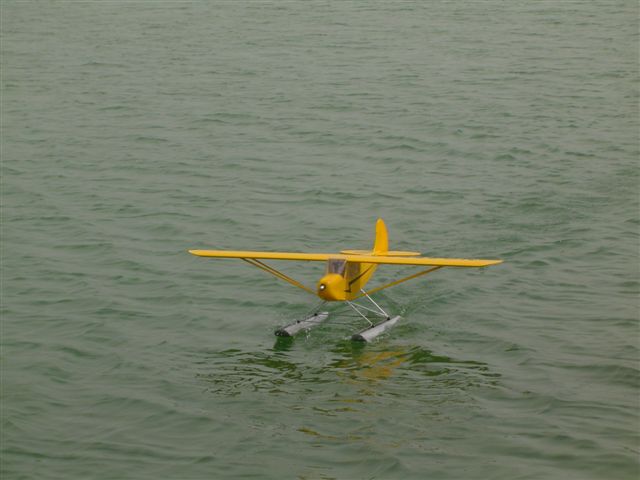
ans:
(346, 275)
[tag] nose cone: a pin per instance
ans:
(331, 287)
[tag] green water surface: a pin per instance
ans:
(133, 131)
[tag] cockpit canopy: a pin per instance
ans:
(336, 266)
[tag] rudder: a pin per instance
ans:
(381, 243)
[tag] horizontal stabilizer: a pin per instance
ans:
(391, 253)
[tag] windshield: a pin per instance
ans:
(336, 266)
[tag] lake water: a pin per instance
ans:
(133, 131)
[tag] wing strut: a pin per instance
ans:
(280, 275)
(415, 275)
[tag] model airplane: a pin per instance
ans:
(346, 275)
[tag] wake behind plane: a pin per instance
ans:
(346, 275)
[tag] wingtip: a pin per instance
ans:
(494, 262)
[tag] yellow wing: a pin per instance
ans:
(434, 262)
(312, 257)
(320, 257)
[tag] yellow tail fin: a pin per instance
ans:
(381, 244)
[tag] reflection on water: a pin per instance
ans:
(289, 366)
(283, 344)
(375, 397)
(378, 365)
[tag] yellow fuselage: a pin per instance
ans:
(344, 280)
